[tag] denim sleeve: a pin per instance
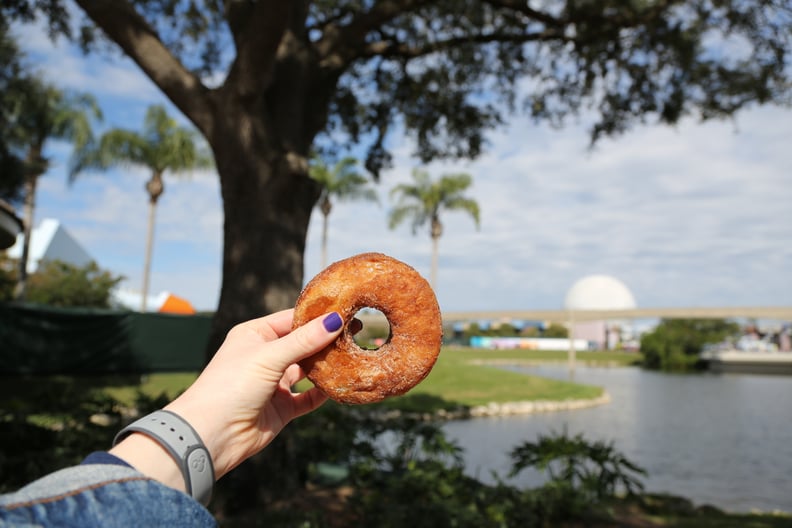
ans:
(106, 495)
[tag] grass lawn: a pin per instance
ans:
(122, 388)
(170, 383)
(460, 377)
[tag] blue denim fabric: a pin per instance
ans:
(107, 495)
(103, 457)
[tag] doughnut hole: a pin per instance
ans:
(376, 329)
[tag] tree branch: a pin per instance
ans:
(339, 44)
(124, 26)
(400, 50)
(257, 27)
(521, 6)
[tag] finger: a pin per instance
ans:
(278, 322)
(304, 341)
(292, 375)
(308, 401)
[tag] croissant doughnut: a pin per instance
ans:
(350, 374)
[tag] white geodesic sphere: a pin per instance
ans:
(599, 292)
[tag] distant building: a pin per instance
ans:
(50, 241)
(164, 302)
(599, 292)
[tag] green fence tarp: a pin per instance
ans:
(38, 340)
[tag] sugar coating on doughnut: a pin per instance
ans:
(350, 374)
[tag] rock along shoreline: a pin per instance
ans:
(497, 409)
(538, 406)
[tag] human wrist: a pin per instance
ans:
(148, 457)
(183, 445)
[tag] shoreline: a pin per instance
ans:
(531, 362)
(495, 410)
(537, 406)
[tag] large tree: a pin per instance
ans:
(422, 202)
(162, 146)
(299, 74)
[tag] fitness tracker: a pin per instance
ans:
(184, 445)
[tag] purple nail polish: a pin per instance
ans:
(332, 322)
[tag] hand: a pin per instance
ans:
(243, 398)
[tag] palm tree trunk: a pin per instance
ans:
(325, 206)
(31, 182)
(435, 241)
(324, 242)
(155, 187)
(436, 233)
(149, 247)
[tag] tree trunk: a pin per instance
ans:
(33, 164)
(326, 207)
(155, 187)
(433, 277)
(267, 202)
(324, 241)
(436, 233)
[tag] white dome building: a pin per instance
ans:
(599, 292)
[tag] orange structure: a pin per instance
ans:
(176, 305)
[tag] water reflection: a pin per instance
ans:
(723, 440)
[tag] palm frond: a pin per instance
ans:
(423, 200)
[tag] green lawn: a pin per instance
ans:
(122, 388)
(171, 384)
(460, 377)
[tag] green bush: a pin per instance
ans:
(399, 472)
(58, 283)
(675, 344)
(56, 424)
(591, 471)
(556, 330)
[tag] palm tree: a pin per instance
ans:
(341, 182)
(161, 146)
(44, 112)
(423, 201)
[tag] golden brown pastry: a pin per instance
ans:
(350, 374)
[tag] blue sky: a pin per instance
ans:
(696, 215)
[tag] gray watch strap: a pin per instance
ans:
(183, 444)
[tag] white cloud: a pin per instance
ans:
(62, 63)
(690, 216)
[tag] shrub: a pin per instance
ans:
(59, 283)
(581, 473)
(675, 344)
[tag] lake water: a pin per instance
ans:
(724, 440)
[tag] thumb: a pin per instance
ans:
(305, 340)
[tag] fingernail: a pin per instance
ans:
(332, 322)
